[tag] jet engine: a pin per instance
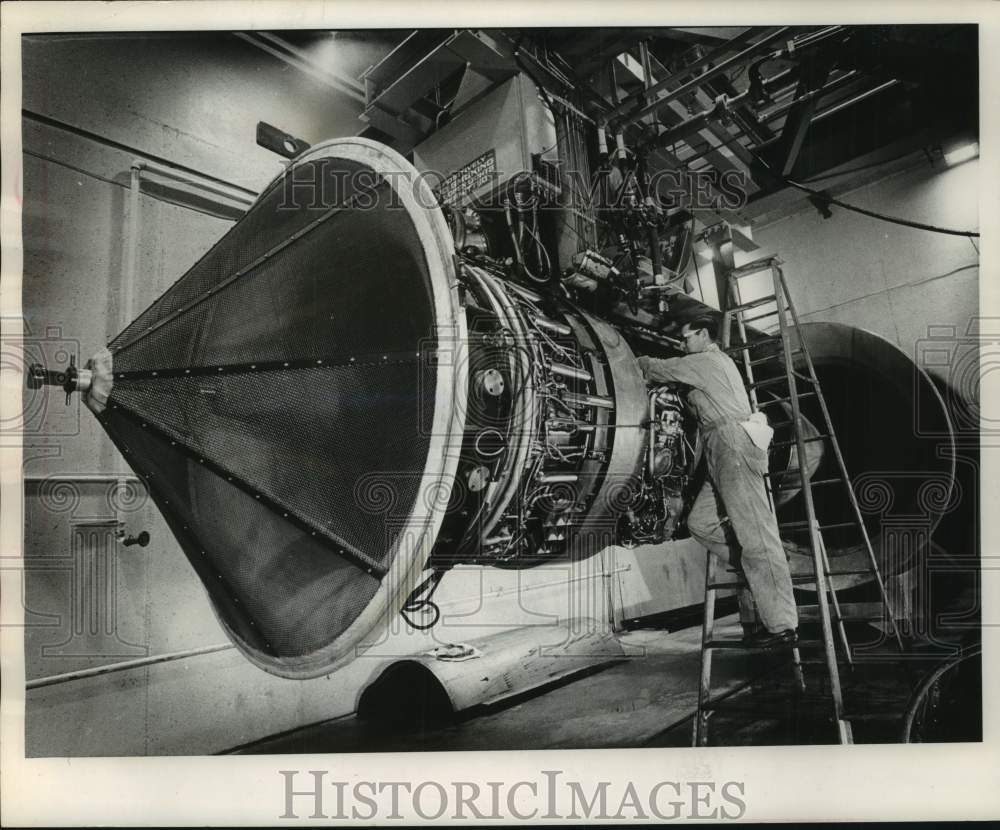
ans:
(338, 399)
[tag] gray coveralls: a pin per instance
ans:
(735, 469)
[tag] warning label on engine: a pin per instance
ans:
(465, 180)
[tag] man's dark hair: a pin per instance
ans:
(710, 324)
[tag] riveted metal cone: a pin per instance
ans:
(286, 403)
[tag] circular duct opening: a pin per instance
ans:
(895, 436)
(283, 401)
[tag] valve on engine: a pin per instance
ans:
(655, 512)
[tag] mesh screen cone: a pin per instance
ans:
(291, 402)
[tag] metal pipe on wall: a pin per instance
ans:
(124, 665)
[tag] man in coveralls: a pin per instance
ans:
(735, 468)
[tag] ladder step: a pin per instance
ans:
(797, 579)
(754, 267)
(754, 344)
(814, 483)
(736, 309)
(811, 440)
(739, 644)
(769, 382)
(757, 317)
(805, 524)
(788, 472)
(866, 572)
(775, 356)
(800, 395)
(849, 612)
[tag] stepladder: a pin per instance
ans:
(779, 375)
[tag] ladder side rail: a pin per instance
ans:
(855, 508)
(835, 602)
(829, 649)
(700, 736)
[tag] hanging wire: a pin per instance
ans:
(827, 199)
(420, 602)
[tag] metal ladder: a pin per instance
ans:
(784, 347)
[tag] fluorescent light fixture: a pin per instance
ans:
(962, 153)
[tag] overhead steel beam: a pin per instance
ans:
(295, 57)
(620, 112)
(727, 33)
(800, 116)
(691, 61)
(714, 133)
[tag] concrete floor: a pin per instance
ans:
(646, 699)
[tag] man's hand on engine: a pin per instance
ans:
(644, 365)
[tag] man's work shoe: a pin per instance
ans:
(769, 639)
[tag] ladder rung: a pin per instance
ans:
(812, 577)
(867, 571)
(804, 441)
(757, 317)
(715, 586)
(815, 483)
(803, 579)
(805, 524)
(736, 309)
(754, 344)
(739, 644)
(800, 395)
(770, 357)
(849, 612)
(769, 382)
(776, 473)
(754, 267)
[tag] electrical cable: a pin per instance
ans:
(827, 199)
(895, 220)
(416, 603)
